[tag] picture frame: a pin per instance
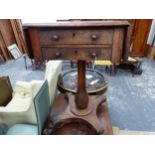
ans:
(14, 50)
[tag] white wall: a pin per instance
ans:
(39, 20)
(152, 33)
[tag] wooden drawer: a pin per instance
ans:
(76, 53)
(67, 37)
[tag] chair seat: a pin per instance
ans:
(23, 129)
(103, 63)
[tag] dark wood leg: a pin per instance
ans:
(81, 98)
(113, 69)
(25, 61)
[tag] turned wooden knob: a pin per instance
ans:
(56, 37)
(75, 51)
(94, 54)
(58, 54)
(93, 37)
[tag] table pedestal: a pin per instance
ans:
(89, 111)
(76, 125)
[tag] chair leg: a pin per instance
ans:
(113, 69)
(72, 64)
(106, 69)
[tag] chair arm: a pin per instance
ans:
(51, 66)
(53, 69)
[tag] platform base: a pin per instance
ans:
(65, 118)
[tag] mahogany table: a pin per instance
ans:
(82, 41)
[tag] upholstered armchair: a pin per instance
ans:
(21, 108)
(42, 107)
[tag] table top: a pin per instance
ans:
(78, 24)
(95, 81)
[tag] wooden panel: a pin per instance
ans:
(76, 37)
(13, 24)
(117, 45)
(18, 33)
(11, 32)
(7, 32)
(86, 24)
(126, 44)
(3, 48)
(139, 36)
(35, 45)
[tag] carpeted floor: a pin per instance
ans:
(131, 99)
(15, 69)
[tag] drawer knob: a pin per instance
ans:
(73, 34)
(93, 37)
(75, 51)
(56, 37)
(93, 54)
(58, 54)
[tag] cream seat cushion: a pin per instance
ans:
(22, 98)
(21, 108)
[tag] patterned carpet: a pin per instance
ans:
(131, 100)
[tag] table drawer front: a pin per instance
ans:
(76, 53)
(59, 37)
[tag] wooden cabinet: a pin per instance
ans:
(139, 32)
(102, 40)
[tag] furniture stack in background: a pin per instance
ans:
(11, 33)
